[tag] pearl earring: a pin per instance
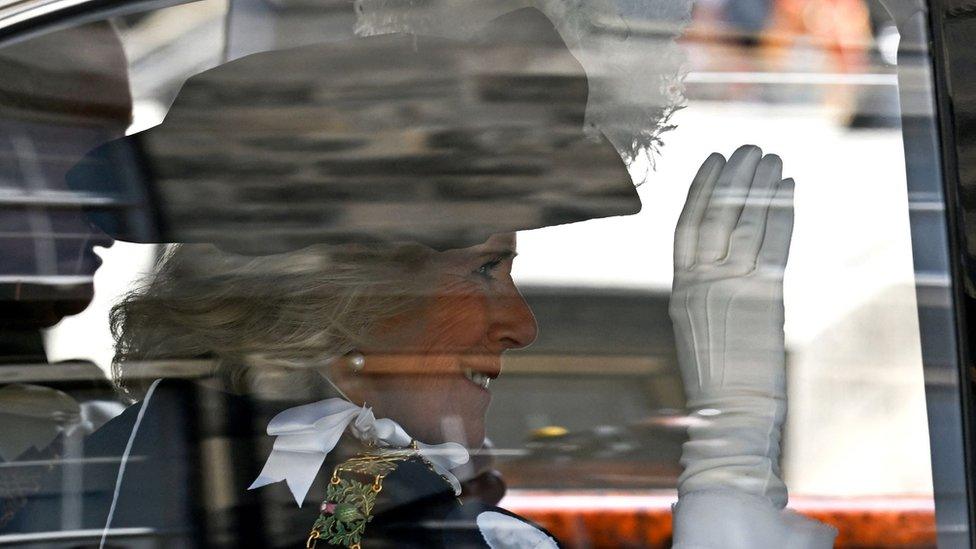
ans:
(356, 362)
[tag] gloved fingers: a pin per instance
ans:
(725, 203)
(747, 237)
(686, 231)
(779, 228)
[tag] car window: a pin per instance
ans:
(620, 274)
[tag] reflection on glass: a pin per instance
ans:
(327, 199)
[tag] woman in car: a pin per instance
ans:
(345, 285)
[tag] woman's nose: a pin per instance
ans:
(513, 325)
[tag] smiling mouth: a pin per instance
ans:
(480, 379)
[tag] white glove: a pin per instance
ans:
(731, 245)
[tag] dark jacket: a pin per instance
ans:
(185, 477)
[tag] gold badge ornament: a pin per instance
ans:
(349, 502)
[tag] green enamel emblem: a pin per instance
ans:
(347, 513)
(347, 521)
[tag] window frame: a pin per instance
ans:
(950, 116)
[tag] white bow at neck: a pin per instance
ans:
(306, 434)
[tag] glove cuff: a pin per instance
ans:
(725, 519)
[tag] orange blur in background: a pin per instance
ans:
(622, 520)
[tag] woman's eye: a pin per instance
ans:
(487, 270)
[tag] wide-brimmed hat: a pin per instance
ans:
(384, 138)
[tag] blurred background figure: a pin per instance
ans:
(803, 38)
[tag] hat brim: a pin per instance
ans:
(387, 138)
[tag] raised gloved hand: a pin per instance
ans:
(731, 245)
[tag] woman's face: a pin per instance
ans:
(429, 368)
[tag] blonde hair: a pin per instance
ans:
(241, 312)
